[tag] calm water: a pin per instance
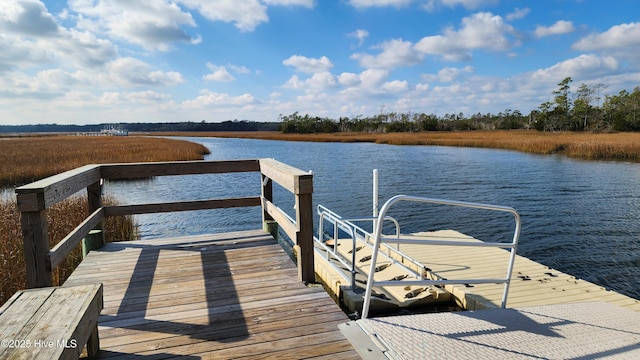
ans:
(578, 217)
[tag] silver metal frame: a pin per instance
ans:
(378, 240)
(355, 231)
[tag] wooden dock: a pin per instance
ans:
(224, 296)
(238, 295)
(532, 284)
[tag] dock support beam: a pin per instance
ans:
(304, 217)
(94, 201)
(35, 237)
(300, 229)
(94, 240)
(268, 223)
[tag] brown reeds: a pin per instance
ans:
(62, 218)
(23, 160)
(622, 146)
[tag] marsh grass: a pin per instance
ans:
(62, 218)
(610, 146)
(27, 159)
(23, 160)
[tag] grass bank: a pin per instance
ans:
(62, 218)
(613, 146)
(23, 160)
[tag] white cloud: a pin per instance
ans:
(372, 78)
(319, 81)
(305, 3)
(326, 91)
(517, 14)
(146, 97)
(619, 37)
(239, 69)
(422, 87)
(582, 67)
(17, 85)
(218, 73)
(432, 5)
(308, 65)
(559, 28)
(396, 86)
(395, 53)
(294, 82)
(57, 78)
(18, 53)
(31, 37)
(349, 79)
(479, 31)
(82, 48)
(360, 35)
(209, 98)
(245, 15)
(107, 98)
(154, 25)
(27, 18)
(133, 72)
(448, 74)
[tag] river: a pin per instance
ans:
(580, 217)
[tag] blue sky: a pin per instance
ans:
(101, 61)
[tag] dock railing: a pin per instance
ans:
(354, 231)
(34, 199)
(379, 238)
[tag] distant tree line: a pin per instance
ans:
(588, 109)
(402, 122)
(581, 111)
(235, 125)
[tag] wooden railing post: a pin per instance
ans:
(94, 196)
(35, 236)
(95, 238)
(304, 222)
(268, 223)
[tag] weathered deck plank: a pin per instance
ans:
(233, 295)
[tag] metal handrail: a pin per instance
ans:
(354, 230)
(378, 238)
(334, 218)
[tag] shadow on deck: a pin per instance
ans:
(231, 295)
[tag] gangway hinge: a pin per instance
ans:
(367, 344)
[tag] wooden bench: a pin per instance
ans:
(51, 323)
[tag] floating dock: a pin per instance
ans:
(532, 284)
(550, 314)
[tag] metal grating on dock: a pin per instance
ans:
(223, 296)
(569, 331)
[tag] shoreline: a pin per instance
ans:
(27, 159)
(610, 146)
